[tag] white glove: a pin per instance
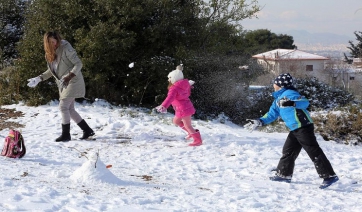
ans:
(253, 124)
(161, 109)
(34, 81)
(191, 82)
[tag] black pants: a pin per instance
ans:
(303, 138)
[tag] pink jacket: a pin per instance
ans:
(178, 97)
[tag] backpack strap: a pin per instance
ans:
(6, 147)
(23, 149)
(19, 137)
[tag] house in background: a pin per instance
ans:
(293, 61)
(348, 77)
(302, 64)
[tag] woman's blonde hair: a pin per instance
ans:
(50, 55)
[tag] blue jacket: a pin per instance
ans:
(295, 116)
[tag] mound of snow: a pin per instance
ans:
(94, 170)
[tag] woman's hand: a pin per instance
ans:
(64, 82)
(34, 81)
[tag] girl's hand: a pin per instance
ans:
(161, 109)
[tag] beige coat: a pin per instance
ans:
(68, 61)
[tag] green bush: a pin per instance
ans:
(9, 86)
(321, 95)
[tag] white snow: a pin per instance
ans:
(153, 169)
(131, 65)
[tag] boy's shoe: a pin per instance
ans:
(328, 181)
(281, 179)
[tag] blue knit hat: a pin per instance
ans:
(284, 80)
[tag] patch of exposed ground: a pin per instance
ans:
(5, 115)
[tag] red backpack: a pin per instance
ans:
(14, 145)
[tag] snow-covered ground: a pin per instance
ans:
(153, 169)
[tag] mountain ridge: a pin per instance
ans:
(325, 38)
(325, 44)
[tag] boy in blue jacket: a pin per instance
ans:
(292, 108)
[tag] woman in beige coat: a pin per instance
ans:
(65, 66)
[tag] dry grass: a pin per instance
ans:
(6, 114)
(343, 126)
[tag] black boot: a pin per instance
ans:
(65, 133)
(87, 131)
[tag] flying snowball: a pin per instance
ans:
(131, 65)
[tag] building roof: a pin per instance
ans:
(291, 54)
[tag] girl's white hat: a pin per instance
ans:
(175, 76)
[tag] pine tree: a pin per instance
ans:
(110, 34)
(263, 40)
(356, 49)
(12, 20)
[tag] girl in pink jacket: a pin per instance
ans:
(179, 90)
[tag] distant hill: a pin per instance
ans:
(304, 37)
(324, 44)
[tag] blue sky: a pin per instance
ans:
(341, 17)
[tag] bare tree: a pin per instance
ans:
(228, 11)
(342, 75)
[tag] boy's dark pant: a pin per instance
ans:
(303, 138)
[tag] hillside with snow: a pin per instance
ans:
(151, 167)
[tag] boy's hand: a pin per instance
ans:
(253, 124)
(285, 102)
